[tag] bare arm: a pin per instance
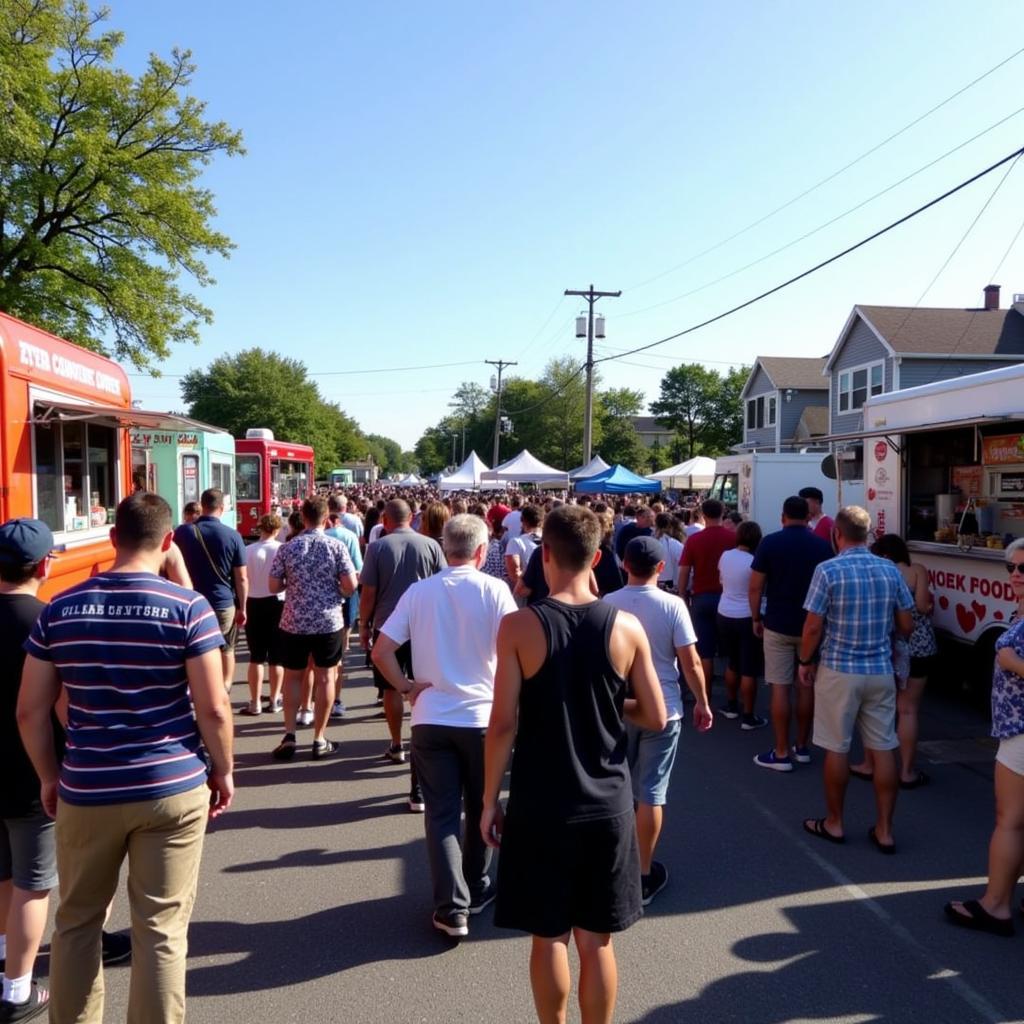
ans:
(512, 569)
(40, 690)
(904, 622)
(213, 718)
(385, 657)
(922, 591)
(693, 673)
(276, 585)
(754, 595)
(348, 584)
(810, 641)
(241, 576)
(367, 604)
(174, 567)
(684, 579)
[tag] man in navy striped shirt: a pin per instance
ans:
(139, 660)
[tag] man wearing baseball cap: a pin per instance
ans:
(651, 754)
(28, 858)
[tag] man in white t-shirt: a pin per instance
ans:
(511, 523)
(652, 754)
(519, 549)
(451, 622)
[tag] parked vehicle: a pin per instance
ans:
(269, 475)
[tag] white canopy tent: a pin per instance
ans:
(524, 469)
(412, 480)
(466, 477)
(696, 474)
(592, 468)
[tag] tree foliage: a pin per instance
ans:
(703, 407)
(620, 441)
(101, 208)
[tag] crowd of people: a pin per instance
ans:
(563, 640)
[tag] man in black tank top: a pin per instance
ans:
(569, 862)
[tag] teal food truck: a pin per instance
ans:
(180, 465)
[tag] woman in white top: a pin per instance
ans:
(669, 531)
(263, 614)
(519, 549)
(743, 650)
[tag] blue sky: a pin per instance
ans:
(424, 180)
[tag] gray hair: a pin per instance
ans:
(1017, 545)
(463, 535)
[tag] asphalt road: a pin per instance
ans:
(314, 896)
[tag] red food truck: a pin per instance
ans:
(269, 476)
(65, 456)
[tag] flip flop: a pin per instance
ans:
(978, 919)
(858, 774)
(816, 827)
(884, 847)
(919, 780)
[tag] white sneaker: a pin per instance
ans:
(278, 706)
(304, 717)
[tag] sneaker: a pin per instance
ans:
(285, 750)
(116, 947)
(338, 710)
(416, 804)
(652, 884)
(278, 706)
(731, 709)
(304, 717)
(484, 899)
(802, 755)
(751, 722)
(395, 754)
(773, 762)
(38, 1002)
(321, 748)
(252, 710)
(455, 924)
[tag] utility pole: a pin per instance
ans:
(501, 364)
(588, 413)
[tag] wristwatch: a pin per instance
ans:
(800, 661)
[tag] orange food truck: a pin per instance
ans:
(65, 454)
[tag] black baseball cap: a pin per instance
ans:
(24, 541)
(643, 554)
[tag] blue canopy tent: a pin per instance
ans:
(617, 480)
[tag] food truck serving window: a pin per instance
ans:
(289, 480)
(221, 478)
(76, 473)
(247, 469)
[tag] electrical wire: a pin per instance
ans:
(346, 373)
(549, 398)
(543, 327)
(830, 177)
(824, 263)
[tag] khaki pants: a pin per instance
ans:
(163, 840)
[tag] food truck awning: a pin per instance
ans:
(64, 412)
(974, 421)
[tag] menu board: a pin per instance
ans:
(967, 480)
(1005, 450)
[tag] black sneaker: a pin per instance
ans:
(455, 924)
(38, 1003)
(321, 748)
(751, 722)
(731, 709)
(652, 884)
(416, 802)
(483, 899)
(285, 750)
(116, 947)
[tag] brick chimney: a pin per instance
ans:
(991, 296)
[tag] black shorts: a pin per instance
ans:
(404, 656)
(922, 668)
(298, 648)
(556, 876)
(743, 651)
(262, 619)
(348, 609)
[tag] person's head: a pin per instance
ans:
(666, 525)
(142, 526)
(314, 512)
(530, 518)
(477, 509)
(852, 527)
(732, 520)
(1015, 567)
(644, 558)
(572, 535)
(515, 501)
(342, 502)
(607, 520)
(711, 511)
(335, 504)
(795, 511)
(697, 515)
(269, 525)
(25, 546)
(893, 547)
(645, 517)
(465, 540)
(191, 512)
(748, 535)
(432, 521)
(814, 499)
(295, 524)
(211, 501)
(396, 513)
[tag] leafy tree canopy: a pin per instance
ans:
(101, 208)
(703, 407)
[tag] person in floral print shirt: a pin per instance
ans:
(993, 912)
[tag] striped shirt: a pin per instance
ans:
(119, 642)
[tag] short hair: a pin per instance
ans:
(336, 504)
(748, 535)
(1014, 546)
(476, 509)
(142, 521)
(458, 507)
(893, 547)
(211, 499)
(434, 518)
(397, 511)
(531, 515)
(191, 508)
(572, 535)
(853, 523)
(314, 510)
(712, 508)
(18, 574)
(644, 510)
(464, 534)
(269, 524)
(795, 507)
(812, 492)
(734, 517)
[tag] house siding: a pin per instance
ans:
(862, 346)
(765, 437)
(794, 409)
(914, 372)
(761, 384)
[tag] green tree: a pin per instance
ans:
(620, 441)
(101, 206)
(561, 416)
(703, 407)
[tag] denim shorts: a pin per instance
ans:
(651, 756)
(28, 852)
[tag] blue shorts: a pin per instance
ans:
(704, 612)
(651, 756)
(28, 852)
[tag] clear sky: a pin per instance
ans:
(424, 180)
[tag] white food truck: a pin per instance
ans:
(943, 466)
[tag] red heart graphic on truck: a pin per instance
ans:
(966, 618)
(979, 610)
(943, 602)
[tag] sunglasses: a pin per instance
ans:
(1012, 567)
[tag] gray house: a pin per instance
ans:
(890, 348)
(785, 403)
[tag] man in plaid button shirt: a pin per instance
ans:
(855, 602)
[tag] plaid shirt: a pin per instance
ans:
(857, 594)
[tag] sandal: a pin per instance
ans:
(919, 780)
(978, 919)
(37, 1003)
(816, 827)
(250, 711)
(884, 847)
(285, 750)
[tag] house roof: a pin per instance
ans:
(798, 372)
(814, 419)
(919, 332)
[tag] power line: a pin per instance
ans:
(824, 263)
(830, 177)
(549, 398)
(345, 373)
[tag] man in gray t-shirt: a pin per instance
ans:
(392, 564)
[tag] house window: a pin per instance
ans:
(760, 412)
(858, 384)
